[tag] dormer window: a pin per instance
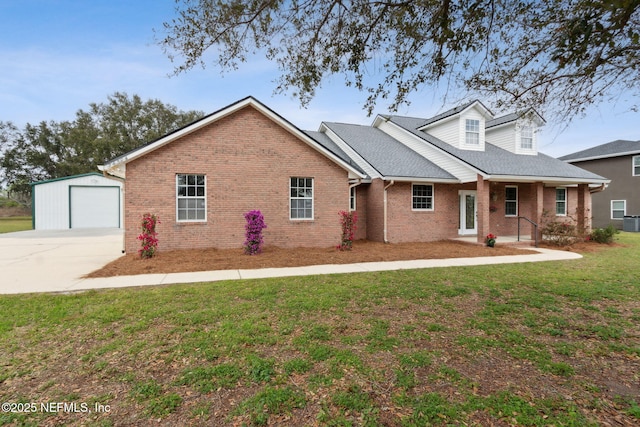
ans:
(472, 135)
(526, 138)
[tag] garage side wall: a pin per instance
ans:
(248, 161)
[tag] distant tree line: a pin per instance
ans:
(52, 149)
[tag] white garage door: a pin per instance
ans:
(95, 207)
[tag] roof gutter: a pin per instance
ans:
(385, 211)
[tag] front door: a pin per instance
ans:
(468, 212)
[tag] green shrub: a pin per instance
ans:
(7, 203)
(604, 235)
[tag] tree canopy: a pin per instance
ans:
(559, 56)
(57, 149)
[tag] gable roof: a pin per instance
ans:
(611, 149)
(495, 161)
(454, 111)
(390, 158)
(328, 143)
(509, 118)
(64, 178)
(117, 166)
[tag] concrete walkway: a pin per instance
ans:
(57, 262)
(214, 276)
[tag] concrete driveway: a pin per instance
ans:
(54, 260)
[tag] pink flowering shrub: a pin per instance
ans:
(149, 237)
(255, 225)
(348, 222)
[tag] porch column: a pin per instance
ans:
(582, 212)
(483, 208)
(537, 207)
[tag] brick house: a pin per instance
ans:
(408, 179)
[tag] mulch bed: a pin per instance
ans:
(233, 259)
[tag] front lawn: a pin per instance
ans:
(15, 223)
(521, 344)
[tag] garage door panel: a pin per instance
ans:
(94, 207)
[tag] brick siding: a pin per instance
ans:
(248, 160)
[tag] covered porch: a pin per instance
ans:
(513, 209)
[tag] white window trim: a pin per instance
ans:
(566, 201)
(505, 201)
(531, 137)
(467, 132)
(313, 196)
(433, 197)
(352, 199)
(634, 160)
(191, 197)
(624, 210)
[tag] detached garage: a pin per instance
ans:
(80, 201)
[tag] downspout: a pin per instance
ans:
(384, 219)
(598, 189)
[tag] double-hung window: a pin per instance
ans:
(636, 165)
(352, 199)
(301, 198)
(526, 138)
(472, 132)
(618, 209)
(422, 197)
(561, 201)
(511, 201)
(191, 197)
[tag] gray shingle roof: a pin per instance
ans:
(387, 155)
(610, 149)
(327, 143)
(450, 112)
(502, 120)
(497, 161)
(508, 118)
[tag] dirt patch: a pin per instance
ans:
(14, 211)
(273, 257)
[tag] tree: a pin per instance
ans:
(557, 55)
(124, 123)
(58, 149)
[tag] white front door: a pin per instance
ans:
(468, 212)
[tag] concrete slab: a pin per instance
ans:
(54, 260)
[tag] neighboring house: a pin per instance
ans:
(460, 173)
(620, 161)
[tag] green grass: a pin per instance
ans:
(15, 223)
(521, 344)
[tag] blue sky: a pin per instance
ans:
(58, 56)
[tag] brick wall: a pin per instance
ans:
(407, 225)
(248, 161)
(572, 205)
(375, 212)
(503, 225)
